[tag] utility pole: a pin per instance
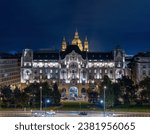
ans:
(40, 98)
(104, 100)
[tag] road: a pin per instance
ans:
(75, 114)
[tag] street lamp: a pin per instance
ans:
(47, 101)
(104, 100)
(40, 98)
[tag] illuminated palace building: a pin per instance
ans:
(75, 68)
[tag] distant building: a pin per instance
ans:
(75, 68)
(128, 59)
(9, 69)
(140, 66)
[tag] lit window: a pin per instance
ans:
(40, 64)
(56, 71)
(105, 71)
(40, 71)
(100, 70)
(95, 71)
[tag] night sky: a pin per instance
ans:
(43, 23)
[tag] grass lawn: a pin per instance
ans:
(85, 106)
(134, 108)
(76, 106)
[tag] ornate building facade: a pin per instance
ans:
(75, 68)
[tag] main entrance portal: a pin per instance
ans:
(73, 93)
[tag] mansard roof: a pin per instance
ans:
(46, 55)
(100, 56)
(54, 55)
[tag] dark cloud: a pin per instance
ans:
(43, 23)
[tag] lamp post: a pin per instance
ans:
(104, 100)
(40, 98)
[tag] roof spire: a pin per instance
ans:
(64, 44)
(76, 34)
(86, 44)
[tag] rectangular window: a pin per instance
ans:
(100, 70)
(40, 71)
(56, 71)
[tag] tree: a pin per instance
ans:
(145, 85)
(56, 94)
(92, 96)
(128, 90)
(47, 93)
(109, 91)
(117, 93)
(33, 91)
(17, 97)
(6, 94)
(20, 98)
(24, 100)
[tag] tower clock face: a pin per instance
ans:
(27, 72)
(119, 73)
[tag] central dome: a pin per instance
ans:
(77, 41)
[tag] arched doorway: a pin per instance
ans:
(73, 93)
(83, 93)
(63, 92)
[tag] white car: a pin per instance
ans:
(51, 113)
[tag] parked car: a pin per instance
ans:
(51, 113)
(83, 113)
(43, 113)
